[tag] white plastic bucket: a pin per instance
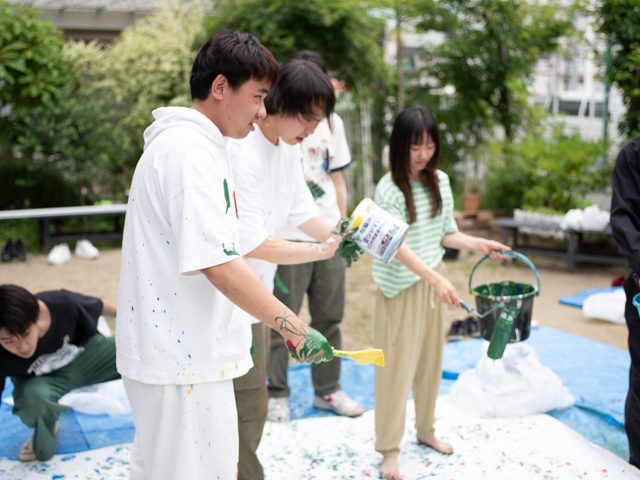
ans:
(378, 232)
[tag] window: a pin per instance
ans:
(569, 107)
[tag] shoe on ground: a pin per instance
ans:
(472, 326)
(340, 403)
(26, 453)
(457, 331)
(279, 410)
(20, 252)
(59, 254)
(7, 251)
(85, 249)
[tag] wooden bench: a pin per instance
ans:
(50, 219)
(573, 250)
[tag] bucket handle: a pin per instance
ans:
(513, 255)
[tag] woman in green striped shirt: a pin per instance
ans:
(412, 289)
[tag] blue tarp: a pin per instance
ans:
(577, 299)
(595, 373)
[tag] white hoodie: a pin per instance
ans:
(173, 326)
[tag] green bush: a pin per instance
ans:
(543, 172)
(23, 187)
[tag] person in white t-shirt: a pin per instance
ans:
(178, 346)
(272, 194)
(325, 155)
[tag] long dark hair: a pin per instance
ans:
(409, 129)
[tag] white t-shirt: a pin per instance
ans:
(173, 325)
(323, 152)
(272, 195)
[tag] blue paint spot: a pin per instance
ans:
(67, 458)
(56, 477)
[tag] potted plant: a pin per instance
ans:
(471, 197)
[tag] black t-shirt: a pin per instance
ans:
(74, 320)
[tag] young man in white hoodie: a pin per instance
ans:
(273, 195)
(178, 347)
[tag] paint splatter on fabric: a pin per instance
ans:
(225, 186)
(337, 448)
(231, 250)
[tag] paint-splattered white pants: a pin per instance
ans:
(183, 431)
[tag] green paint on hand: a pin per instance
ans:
(348, 248)
(227, 199)
(312, 345)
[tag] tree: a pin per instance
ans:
(341, 30)
(620, 20)
(490, 51)
(30, 50)
(147, 67)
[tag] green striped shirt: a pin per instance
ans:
(424, 236)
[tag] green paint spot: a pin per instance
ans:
(230, 251)
(280, 285)
(227, 199)
(316, 190)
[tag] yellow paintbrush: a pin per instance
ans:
(373, 355)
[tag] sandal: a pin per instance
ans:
(26, 453)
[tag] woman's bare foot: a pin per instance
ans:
(389, 467)
(437, 444)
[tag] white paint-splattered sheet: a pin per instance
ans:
(532, 447)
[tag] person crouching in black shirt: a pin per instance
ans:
(50, 345)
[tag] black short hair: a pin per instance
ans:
(236, 55)
(19, 309)
(301, 88)
(312, 56)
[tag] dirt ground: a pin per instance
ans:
(99, 277)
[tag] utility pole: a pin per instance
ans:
(605, 104)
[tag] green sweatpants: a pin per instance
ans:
(36, 398)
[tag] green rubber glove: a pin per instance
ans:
(348, 248)
(313, 348)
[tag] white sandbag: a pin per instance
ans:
(515, 385)
(607, 306)
(591, 218)
(103, 398)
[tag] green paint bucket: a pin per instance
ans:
(504, 308)
(636, 302)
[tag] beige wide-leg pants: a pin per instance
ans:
(409, 328)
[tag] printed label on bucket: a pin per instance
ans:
(378, 232)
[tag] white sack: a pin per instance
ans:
(590, 218)
(515, 385)
(108, 397)
(605, 306)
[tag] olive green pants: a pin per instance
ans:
(252, 403)
(36, 398)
